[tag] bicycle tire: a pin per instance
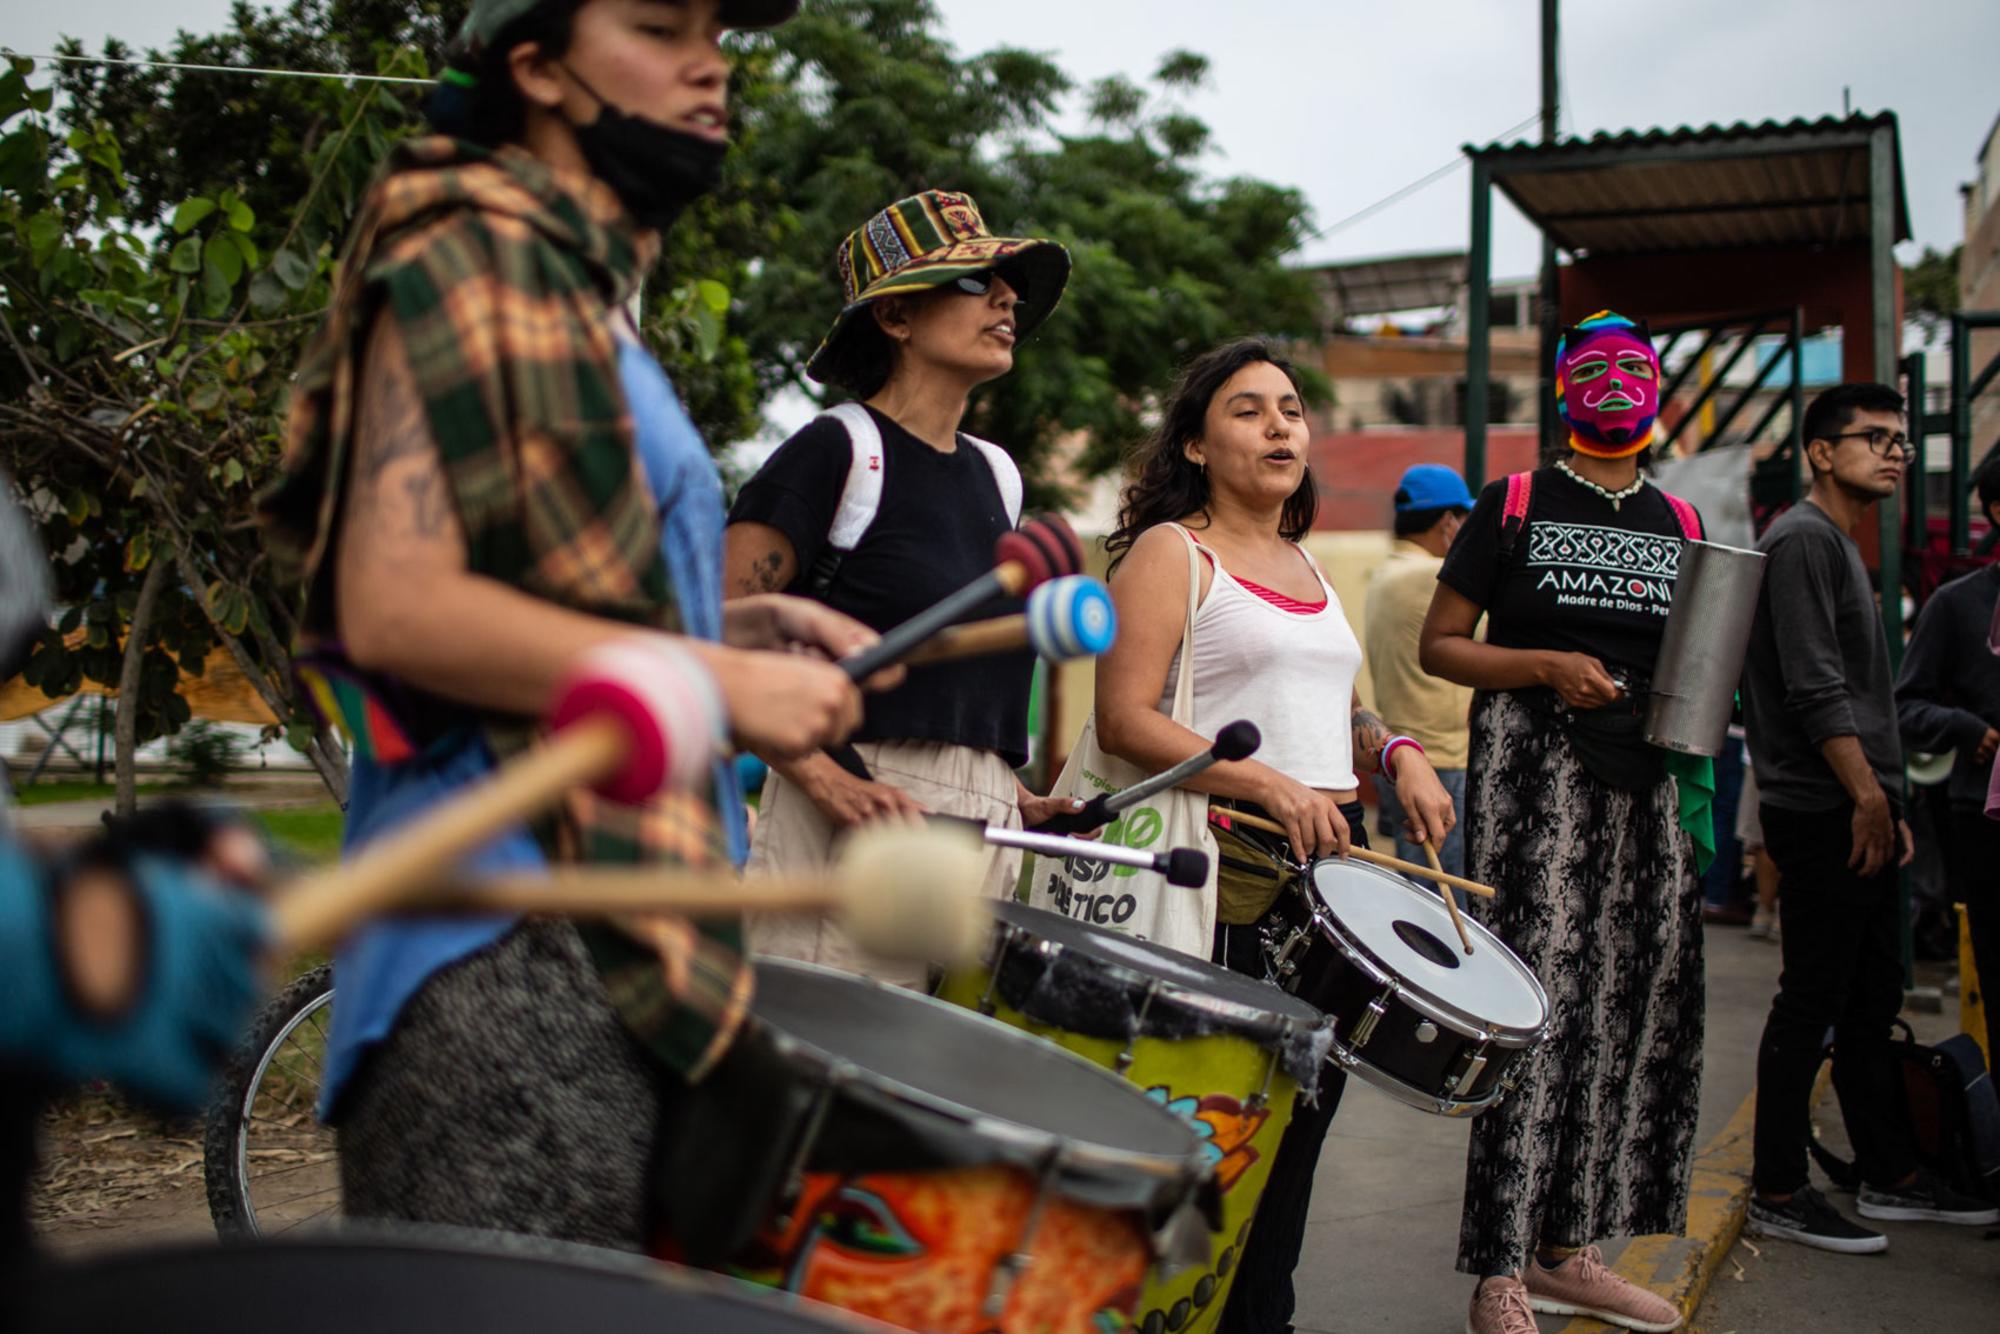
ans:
(232, 1112)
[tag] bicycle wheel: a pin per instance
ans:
(268, 1163)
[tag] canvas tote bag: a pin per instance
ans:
(1125, 898)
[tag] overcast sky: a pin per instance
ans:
(1353, 99)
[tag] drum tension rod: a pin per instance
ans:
(1005, 942)
(1376, 1009)
(1010, 1267)
(1138, 1028)
(837, 1077)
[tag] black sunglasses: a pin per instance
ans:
(980, 283)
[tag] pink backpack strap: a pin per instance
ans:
(1514, 514)
(1690, 520)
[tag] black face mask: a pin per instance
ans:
(655, 171)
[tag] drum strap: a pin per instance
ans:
(1521, 493)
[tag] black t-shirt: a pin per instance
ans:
(1582, 578)
(934, 533)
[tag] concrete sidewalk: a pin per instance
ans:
(1383, 1231)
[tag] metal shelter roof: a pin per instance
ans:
(1797, 182)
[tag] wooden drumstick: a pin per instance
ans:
(1444, 892)
(1363, 854)
(900, 891)
(1070, 617)
(634, 718)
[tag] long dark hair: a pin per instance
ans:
(1168, 485)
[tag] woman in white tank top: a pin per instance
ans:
(1226, 470)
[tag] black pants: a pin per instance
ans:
(1262, 1299)
(1843, 969)
(1975, 882)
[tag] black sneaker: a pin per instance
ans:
(1925, 1200)
(1808, 1219)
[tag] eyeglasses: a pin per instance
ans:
(978, 284)
(1881, 442)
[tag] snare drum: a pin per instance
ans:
(884, 1152)
(1412, 1013)
(1225, 1051)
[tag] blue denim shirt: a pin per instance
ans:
(382, 966)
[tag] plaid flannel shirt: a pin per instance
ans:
(502, 276)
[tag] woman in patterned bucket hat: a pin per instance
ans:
(921, 244)
(883, 506)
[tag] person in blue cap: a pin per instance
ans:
(1431, 502)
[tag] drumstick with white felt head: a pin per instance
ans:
(902, 891)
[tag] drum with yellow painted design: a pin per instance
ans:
(1226, 1052)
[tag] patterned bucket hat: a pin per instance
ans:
(920, 243)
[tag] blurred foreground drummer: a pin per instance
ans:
(1223, 496)
(882, 507)
(488, 475)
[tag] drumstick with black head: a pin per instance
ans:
(1444, 892)
(1183, 867)
(1236, 741)
(1225, 818)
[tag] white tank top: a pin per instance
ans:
(1291, 673)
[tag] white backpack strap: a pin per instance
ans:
(861, 497)
(1005, 475)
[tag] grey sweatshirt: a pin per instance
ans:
(1949, 691)
(1818, 666)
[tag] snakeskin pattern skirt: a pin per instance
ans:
(1597, 894)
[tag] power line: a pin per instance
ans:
(222, 69)
(1429, 178)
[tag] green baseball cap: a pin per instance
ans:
(487, 18)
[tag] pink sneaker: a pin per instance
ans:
(1582, 1285)
(1500, 1306)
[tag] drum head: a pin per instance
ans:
(1093, 960)
(1408, 933)
(345, 1286)
(962, 1065)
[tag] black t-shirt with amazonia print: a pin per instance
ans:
(1583, 577)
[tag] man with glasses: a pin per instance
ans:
(1821, 716)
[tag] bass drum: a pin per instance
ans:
(443, 1284)
(882, 1151)
(1413, 1014)
(1227, 1052)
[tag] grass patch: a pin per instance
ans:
(310, 833)
(78, 789)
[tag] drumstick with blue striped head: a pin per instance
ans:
(1071, 617)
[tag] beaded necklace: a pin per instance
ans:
(1617, 498)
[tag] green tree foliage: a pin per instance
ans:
(1930, 289)
(859, 102)
(167, 241)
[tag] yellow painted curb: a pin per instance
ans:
(1679, 1268)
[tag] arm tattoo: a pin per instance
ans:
(399, 489)
(1370, 733)
(764, 572)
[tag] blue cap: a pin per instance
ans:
(1431, 486)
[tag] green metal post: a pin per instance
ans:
(1478, 326)
(1798, 449)
(1961, 434)
(1916, 511)
(1882, 304)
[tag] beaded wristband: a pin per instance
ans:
(1389, 749)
